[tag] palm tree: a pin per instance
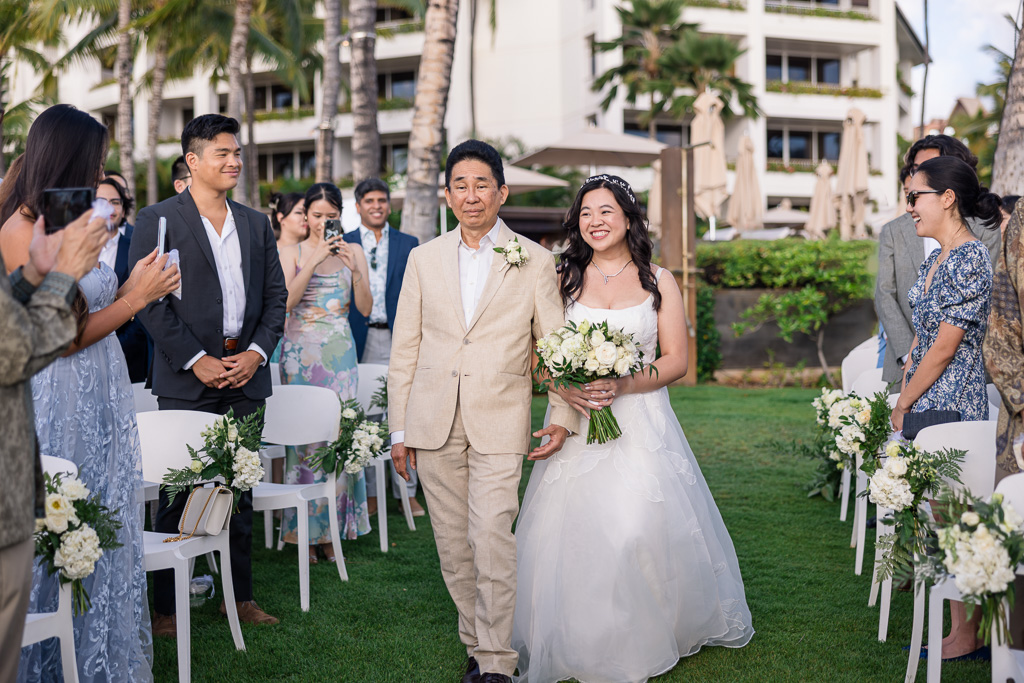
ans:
(331, 88)
(927, 62)
(125, 65)
(981, 131)
(236, 93)
(1008, 164)
(427, 135)
(19, 37)
(363, 83)
(698, 62)
(493, 21)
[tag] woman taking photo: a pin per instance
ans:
(324, 278)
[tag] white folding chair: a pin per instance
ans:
(860, 360)
(369, 376)
(1006, 663)
(298, 415)
(978, 439)
(866, 385)
(275, 374)
(40, 626)
(164, 436)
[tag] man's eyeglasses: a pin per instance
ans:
(373, 258)
(912, 196)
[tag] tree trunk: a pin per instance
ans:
(927, 62)
(331, 88)
(1008, 164)
(156, 102)
(251, 169)
(472, 68)
(420, 215)
(821, 357)
(363, 76)
(125, 64)
(236, 86)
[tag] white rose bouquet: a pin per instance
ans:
(359, 442)
(577, 354)
(73, 535)
(230, 451)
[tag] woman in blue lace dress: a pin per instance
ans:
(85, 412)
(950, 302)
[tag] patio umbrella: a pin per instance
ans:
(784, 214)
(709, 166)
(745, 208)
(852, 176)
(596, 147)
(654, 202)
(823, 211)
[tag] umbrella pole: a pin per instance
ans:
(444, 220)
(712, 220)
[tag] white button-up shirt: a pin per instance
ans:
(474, 267)
(108, 254)
(378, 275)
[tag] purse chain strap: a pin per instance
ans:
(182, 536)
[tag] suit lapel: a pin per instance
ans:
(497, 274)
(393, 244)
(121, 260)
(450, 271)
(190, 214)
(244, 239)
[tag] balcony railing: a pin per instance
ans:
(813, 9)
(777, 165)
(734, 5)
(391, 104)
(807, 88)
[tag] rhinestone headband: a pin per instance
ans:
(614, 181)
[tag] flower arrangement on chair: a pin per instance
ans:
(359, 441)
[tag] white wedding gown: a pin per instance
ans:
(624, 563)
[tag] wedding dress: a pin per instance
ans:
(624, 563)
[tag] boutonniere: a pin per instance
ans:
(514, 253)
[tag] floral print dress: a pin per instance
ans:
(959, 295)
(318, 349)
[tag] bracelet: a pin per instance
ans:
(130, 307)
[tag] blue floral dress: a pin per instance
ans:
(959, 295)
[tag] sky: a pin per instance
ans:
(959, 30)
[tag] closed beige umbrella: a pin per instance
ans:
(709, 166)
(823, 211)
(654, 202)
(852, 176)
(745, 207)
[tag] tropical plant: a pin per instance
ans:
(981, 131)
(698, 62)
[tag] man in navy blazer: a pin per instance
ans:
(387, 252)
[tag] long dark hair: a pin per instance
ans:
(65, 148)
(326, 191)
(283, 204)
(971, 198)
(577, 254)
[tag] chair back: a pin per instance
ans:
(978, 439)
(869, 383)
(855, 363)
(52, 466)
(275, 374)
(165, 436)
(298, 414)
(369, 383)
(145, 399)
(869, 344)
(1012, 488)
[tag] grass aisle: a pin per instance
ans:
(394, 621)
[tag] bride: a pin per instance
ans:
(624, 563)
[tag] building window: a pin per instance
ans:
(776, 144)
(283, 165)
(261, 161)
(773, 68)
(593, 55)
(388, 15)
(400, 85)
(799, 145)
(828, 71)
(828, 146)
(805, 147)
(187, 114)
(802, 69)
(799, 69)
(667, 133)
(394, 158)
(307, 164)
(222, 104)
(281, 97)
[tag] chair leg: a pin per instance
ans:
(916, 633)
(844, 494)
(66, 633)
(212, 562)
(228, 588)
(883, 611)
(406, 508)
(302, 517)
(182, 577)
(873, 595)
(339, 555)
(268, 528)
(934, 667)
(382, 505)
(861, 526)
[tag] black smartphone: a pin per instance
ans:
(332, 228)
(64, 205)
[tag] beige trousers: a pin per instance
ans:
(15, 586)
(473, 499)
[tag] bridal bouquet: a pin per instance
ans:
(359, 442)
(230, 451)
(73, 535)
(577, 354)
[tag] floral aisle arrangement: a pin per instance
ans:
(907, 478)
(979, 546)
(359, 442)
(574, 355)
(230, 451)
(861, 427)
(74, 534)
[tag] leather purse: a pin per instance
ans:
(913, 423)
(207, 513)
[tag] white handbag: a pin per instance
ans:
(207, 513)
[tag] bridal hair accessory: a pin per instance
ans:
(614, 181)
(514, 253)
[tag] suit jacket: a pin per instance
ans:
(132, 335)
(33, 334)
(181, 328)
(900, 255)
(437, 360)
(399, 247)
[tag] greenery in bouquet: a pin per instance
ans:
(74, 534)
(380, 397)
(574, 355)
(906, 478)
(230, 452)
(978, 545)
(359, 441)
(861, 427)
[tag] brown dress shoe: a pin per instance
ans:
(472, 674)
(165, 625)
(250, 613)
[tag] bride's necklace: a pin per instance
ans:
(608, 277)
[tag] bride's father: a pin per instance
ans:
(459, 392)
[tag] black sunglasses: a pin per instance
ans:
(373, 258)
(912, 196)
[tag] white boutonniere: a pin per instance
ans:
(514, 253)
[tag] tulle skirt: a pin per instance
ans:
(624, 563)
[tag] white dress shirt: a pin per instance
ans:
(378, 275)
(227, 255)
(108, 254)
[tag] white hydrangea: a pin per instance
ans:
(247, 469)
(889, 490)
(979, 563)
(79, 550)
(74, 489)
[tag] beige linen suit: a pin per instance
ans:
(462, 396)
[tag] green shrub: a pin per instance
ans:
(709, 340)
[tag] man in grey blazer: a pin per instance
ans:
(901, 251)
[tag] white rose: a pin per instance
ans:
(591, 365)
(970, 518)
(606, 354)
(596, 338)
(348, 414)
(622, 367)
(897, 466)
(1011, 519)
(892, 450)
(74, 489)
(59, 513)
(196, 466)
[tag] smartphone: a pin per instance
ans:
(62, 206)
(332, 228)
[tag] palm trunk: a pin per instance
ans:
(420, 213)
(251, 169)
(927, 61)
(125, 65)
(156, 101)
(365, 134)
(236, 86)
(472, 68)
(1008, 164)
(330, 90)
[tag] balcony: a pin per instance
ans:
(733, 5)
(833, 89)
(809, 8)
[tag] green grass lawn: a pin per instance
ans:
(394, 621)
